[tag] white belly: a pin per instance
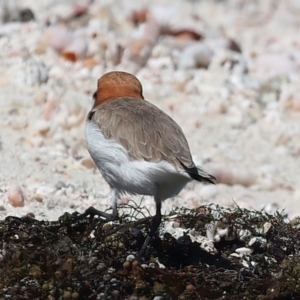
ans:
(159, 179)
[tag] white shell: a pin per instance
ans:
(244, 251)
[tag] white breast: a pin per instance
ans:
(159, 179)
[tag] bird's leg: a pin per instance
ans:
(155, 224)
(110, 217)
(116, 197)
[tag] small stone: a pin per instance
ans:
(135, 263)
(126, 265)
(30, 215)
(37, 198)
(75, 295)
(67, 295)
(190, 288)
(266, 227)
(116, 294)
(244, 251)
(87, 162)
(130, 258)
(101, 266)
(107, 226)
(44, 190)
(16, 197)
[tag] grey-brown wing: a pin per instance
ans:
(144, 131)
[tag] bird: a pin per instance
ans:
(138, 148)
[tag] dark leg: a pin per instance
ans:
(155, 224)
(91, 211)
(115, 198)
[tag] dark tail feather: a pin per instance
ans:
(199, 174)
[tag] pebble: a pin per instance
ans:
(44, 190)
(130, 258)
(88, 163)
(16, 197)
(244, 251)
(75, 295)
(67, 295)
(190, 288)
(266, 227)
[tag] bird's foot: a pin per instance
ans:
(92, 211)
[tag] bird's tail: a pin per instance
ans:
(199, 174)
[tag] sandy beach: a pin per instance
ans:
(226, 71)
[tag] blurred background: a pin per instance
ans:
(226, 71)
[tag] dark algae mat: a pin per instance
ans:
(241, 254)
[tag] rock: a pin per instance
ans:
(88, 163)
(16, 197)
